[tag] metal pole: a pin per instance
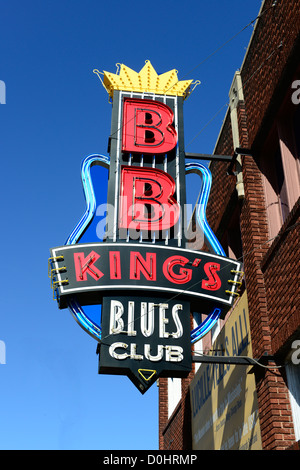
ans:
(242, 361)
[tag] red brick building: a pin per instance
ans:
(254, 212)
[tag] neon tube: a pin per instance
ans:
(77, 311)
(199, 169)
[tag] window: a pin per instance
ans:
(280, 167)
(296, 130)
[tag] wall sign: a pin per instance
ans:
(90, 271)
(142, 276)
(144, 339)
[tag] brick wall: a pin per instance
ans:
(267, 65)
(254, 232)
(270, 272)
(222, 185)
(276, 423)
(271, 267)
(163, 409)
(282, 273)
(176, 434)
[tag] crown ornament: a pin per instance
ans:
(145, 81)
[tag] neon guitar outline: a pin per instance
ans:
(76, 309)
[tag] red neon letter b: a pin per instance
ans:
(146, 200)
(147, 127)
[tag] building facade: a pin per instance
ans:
(254, 211)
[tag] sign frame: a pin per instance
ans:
(67, 286)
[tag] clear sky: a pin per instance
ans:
(56, 114)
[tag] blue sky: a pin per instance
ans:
(56, 114)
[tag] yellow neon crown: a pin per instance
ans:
(147, 80)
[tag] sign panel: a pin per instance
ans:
(145, 339)
(223, 397)
(92, 270)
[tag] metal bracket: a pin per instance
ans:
(237, 360)
(242, 361)
(221, 158)
(238, 151)
(207, 156)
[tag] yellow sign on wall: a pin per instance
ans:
(223, 397)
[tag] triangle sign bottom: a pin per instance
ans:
(147, 374)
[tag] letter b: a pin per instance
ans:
(147, 127)
(146, 200)
(116, 320)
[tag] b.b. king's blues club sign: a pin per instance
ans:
(134, 290)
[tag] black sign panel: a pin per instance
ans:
(145, 338)
(92, 270)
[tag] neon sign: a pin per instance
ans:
(93, 269)
(143, 277)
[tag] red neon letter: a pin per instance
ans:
(146, 200)
(84, 266)
(147, 127)
(183, 276)
(138, 265)
(213, 282)
(115, 265)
